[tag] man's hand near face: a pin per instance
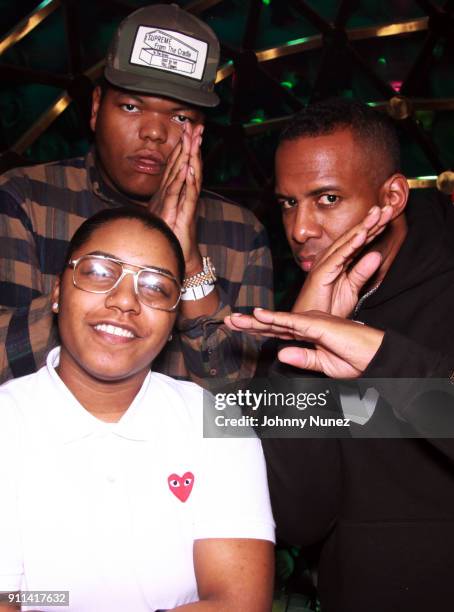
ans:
(176, 200)
(176, 203)
(333, 284)
(342, 348)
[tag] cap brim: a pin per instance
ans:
(158, 87)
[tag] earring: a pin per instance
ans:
(169, 339)
(55, 307)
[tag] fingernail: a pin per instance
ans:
(200, 142)
(202, 129)
(236, 314)
(191, 170)
(258, 308)
(371, 210)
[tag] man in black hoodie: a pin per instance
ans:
(380, 511)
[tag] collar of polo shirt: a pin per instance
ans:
(73, 422)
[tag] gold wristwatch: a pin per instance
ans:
(199, 285)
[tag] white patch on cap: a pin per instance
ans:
(170, 51)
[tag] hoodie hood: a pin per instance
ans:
(427, 251)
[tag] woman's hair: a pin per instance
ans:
(148, 219)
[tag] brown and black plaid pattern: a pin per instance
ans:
(40, 209)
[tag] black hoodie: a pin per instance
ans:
(382, 510)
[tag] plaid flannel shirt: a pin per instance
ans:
(40, 209)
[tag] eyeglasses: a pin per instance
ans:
(101, 274)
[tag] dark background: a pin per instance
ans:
(277, 55)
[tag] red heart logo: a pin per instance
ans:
(181, 486)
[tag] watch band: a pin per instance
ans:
(196, 293)
(199, 285)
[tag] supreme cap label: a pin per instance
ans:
(170, 51)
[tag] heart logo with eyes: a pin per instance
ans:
(181, 486)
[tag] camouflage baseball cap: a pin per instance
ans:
(165, 51)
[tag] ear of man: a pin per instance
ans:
(95, 104)
(394, 192)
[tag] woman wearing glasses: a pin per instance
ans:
(109, 495)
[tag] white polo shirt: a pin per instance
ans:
(109, 512)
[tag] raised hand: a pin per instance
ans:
(176, 200)
(333, 285)
(342, 348)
